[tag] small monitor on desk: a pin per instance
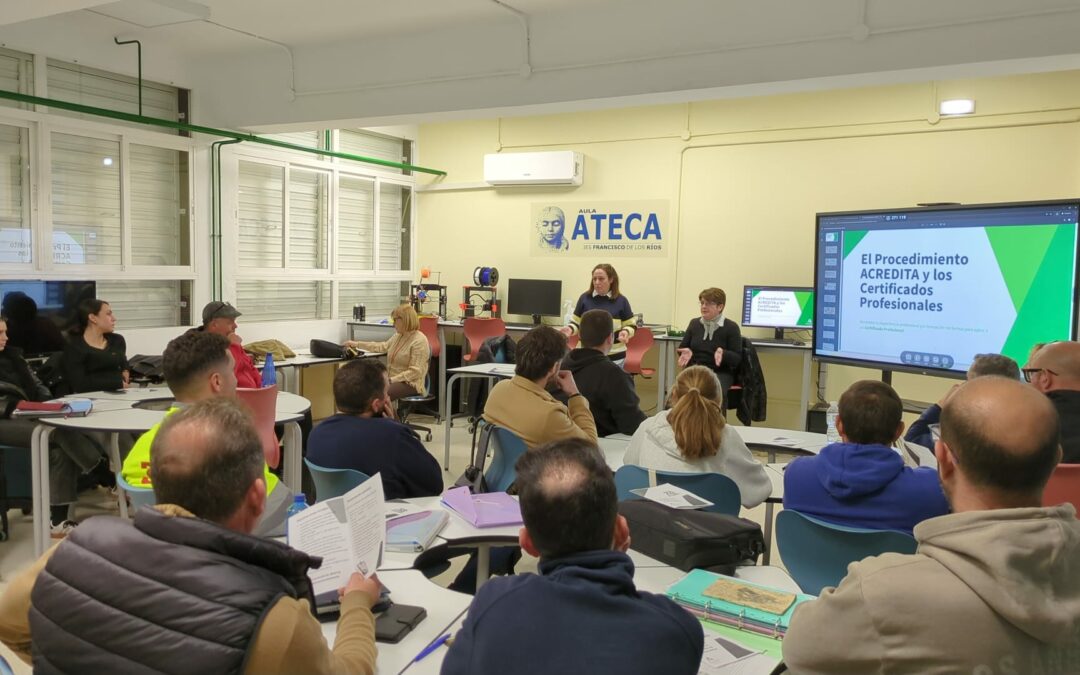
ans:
(534, 297)
(778, 307)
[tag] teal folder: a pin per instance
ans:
(689, 593)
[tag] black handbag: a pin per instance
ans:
(473, 477)
(324, 349)
(692, 539)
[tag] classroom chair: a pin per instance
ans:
(506, 447)
(405, 407)
(1063, 486)
(330, 483)
(429, 326)
(636, 348)
(477, 330)
(262, 403)
(717, 488)
(817, 553)
(139, 496)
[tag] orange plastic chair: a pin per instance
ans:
(477, 330)
(636, 348)
(263, 406)
(429, 326)
(1063, 486)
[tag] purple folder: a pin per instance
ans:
(484, 510)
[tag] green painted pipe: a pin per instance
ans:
(215, 217)
(210, 131)
(139, 46)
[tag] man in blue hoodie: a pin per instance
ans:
(862, 481)
(582, 614)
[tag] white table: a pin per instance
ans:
(111, 419)
(409, 587)
(782, 440)
(292, 368)
(490, 371)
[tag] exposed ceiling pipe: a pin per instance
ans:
(282, 45)
(526, 68)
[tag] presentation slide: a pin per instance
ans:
(931, 288)
(778, 307)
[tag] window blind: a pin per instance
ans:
(15, 244)
(16, 74)
(261, 205)
(356, 224)
(378, 297)
(309, 221)
(147, 303)
(159, 209)
(100, 89)
(283, 300)
(85, 200)
(367, 144)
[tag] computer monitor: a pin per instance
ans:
(534, 297)
(778, 307)
(56, 301)
(925, 290)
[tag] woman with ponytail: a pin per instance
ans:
(693, 437)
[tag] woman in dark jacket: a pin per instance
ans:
(713, 341)
(95, 359)
(71, 454)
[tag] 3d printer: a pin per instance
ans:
(483, 290)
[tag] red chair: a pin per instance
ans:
(477, 330)
(429, 326)
(263, 406)
(1063, 486)
(636, 348)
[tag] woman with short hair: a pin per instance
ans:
(713, 341)
(407, 353)
(694, 437)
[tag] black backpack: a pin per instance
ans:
(692, 539)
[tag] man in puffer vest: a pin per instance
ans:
(186, 587)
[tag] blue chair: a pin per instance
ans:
(330, 483)
(507, 447)
(139, 496)
(817, 553)
(717, 488)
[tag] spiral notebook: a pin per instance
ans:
(740, 604)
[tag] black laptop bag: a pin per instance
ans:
(691, 539)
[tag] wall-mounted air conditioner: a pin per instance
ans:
(562, 167)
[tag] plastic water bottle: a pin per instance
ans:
(299, 504)
(269, 374)
(830, 422)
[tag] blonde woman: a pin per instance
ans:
(407, 353)
(693, 437)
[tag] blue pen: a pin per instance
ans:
(432, 647)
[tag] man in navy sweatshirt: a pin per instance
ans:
(862, 481)
(582, 614)
(366, 437)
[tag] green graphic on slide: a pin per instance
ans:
(852, 239)
(754, 293)
(806, 308)
(1036, 263)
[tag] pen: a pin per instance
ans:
(432, 647)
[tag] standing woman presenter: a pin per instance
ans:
(604, 294)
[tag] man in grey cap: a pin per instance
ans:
(219, 317)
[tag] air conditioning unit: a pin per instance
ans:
(562, 167)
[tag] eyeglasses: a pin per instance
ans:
(1028, 372)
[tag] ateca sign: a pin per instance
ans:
(588, 229)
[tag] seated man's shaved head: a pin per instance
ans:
(1062, 361)
(1004, 436)
(206, 458)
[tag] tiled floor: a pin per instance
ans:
(17, 553)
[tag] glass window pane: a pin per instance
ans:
(15, 244)
(85, 200)
(147, 303)
(16, 74)
(356, 224)
(262, 205)
(101, 89)
(367, 144)
(159, 206)
(394, 205)
(283, 300)
(378, 297)
(309, 221)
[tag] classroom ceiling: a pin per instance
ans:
(283, 61)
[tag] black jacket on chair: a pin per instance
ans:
(749, 376)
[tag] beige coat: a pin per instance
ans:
(525, 408)
(407, 357)
(289, 640)
(987, 592)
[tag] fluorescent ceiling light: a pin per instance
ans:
(957, 106)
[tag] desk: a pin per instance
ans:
(409, 587)
(491, 371)
(113, 419)
(292, 369)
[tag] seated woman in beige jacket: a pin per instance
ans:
(407, 353)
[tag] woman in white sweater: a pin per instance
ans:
(693, 437)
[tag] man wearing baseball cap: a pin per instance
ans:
(219, 317)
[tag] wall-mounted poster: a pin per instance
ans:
(588, 229)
